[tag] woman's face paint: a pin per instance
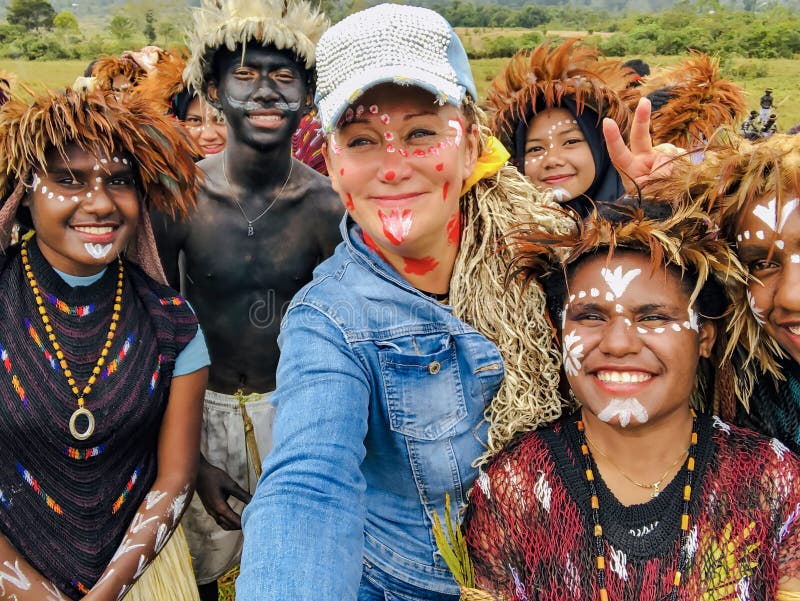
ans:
(84, 209)
(631, 341)
(206, 126)
(398, 160)
(768, 243)
(557, 155)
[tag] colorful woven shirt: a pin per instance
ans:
(530, 531)
(66, 504)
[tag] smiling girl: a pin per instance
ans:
(547, 106)
(635, 496)
(104, 366)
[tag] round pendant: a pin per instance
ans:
(73, 420)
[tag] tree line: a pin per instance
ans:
(34, 30)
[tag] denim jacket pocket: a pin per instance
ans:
(424, 396)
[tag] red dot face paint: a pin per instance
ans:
(444, 191)
(419, 153)
(349, 204)
(389, 175)
(440, 166)
(454, 229)
(420, 266)
(341, 171)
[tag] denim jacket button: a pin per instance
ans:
(434, 367)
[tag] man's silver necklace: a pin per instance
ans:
(251, 222)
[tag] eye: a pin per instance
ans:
(762, 266)
(572, 141)
(359, 142)
(588, 317)
(193, 122)
(243, 73)
(284, 75)
(68, 180)
(655, 319)
(219, 119)
(534, 149)
(121, 181)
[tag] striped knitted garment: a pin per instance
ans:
(530, 531)
(775, 407)
(66, 504)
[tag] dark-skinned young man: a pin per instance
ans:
(263, 222)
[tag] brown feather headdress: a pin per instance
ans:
(165, 80)
(681, 236)
(734, 176)
(547, 75)
(294, 25)
(699, 102)
(101, 125)
(6, 82)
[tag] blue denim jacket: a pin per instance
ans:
(380, 399)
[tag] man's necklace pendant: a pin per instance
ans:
(250, 230)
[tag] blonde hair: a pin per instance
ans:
(511, 315)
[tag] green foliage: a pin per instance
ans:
(65, 21)
(149, 27)
(31, 14)
(121, 28)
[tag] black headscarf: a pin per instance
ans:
(607, 185)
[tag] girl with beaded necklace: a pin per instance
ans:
(104, 366)
(635, 495)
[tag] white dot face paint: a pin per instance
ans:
(779, 244)
(594, 292)
(98, 251)
(573, 353)
(794, 258)
(624, 410)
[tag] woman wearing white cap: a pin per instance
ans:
(396, 351)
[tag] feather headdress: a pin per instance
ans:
(544, 77)
(165, 80)
(679, 235)
(286, 24)
(6, 82)
(694, 102)
(734, 176)
(101, 125)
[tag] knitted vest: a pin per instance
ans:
(530, 531)
(66, 504)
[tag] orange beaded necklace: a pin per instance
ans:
(112, 328)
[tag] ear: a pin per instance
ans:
(212, 95)
(471, 152)
(708, 336)
(333, 175)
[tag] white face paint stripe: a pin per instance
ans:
(573, 353)
(624, 410)
(768, 213)
(98, 251)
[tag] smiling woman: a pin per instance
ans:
(635, 495)
(101, 397)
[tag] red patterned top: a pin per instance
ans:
(529, 526)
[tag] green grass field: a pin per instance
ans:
(782, 75)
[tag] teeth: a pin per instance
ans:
(623, 377)
(95, 230)
(795, 330)
(265, 117)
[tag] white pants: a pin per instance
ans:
(214, 550)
